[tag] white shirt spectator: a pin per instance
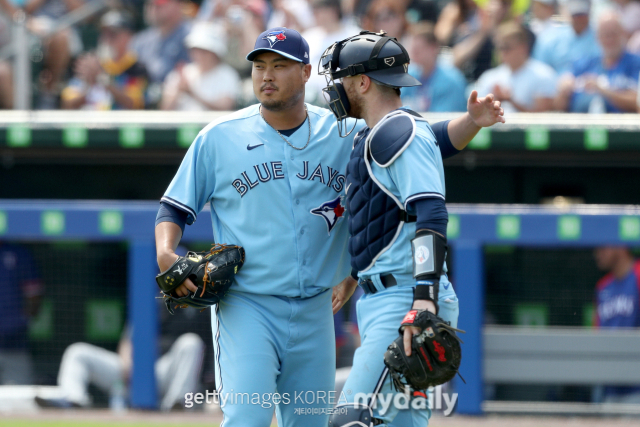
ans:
(533, 80)
(218, 83)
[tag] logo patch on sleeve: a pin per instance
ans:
(331, 212)
(422, 254)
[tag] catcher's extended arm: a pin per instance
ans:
(212, 272)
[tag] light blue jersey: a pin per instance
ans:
(417, 173)
(414, 172)
(283, 205)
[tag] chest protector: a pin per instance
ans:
(376, 216)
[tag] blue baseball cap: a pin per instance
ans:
(284, 41)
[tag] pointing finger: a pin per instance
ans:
(473, 97)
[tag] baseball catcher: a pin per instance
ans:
(435, 356)
(212, 272)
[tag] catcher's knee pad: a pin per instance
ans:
(353, 415)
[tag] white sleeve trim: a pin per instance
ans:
(427, 195)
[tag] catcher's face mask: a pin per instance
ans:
(329, 67)
(334, 93)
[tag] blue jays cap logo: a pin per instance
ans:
(331, 211)
(274, 37)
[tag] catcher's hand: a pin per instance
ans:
(211, 272)
(435, 356)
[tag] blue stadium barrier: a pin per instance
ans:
(470, 228)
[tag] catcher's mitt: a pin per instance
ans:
(435, 353)
(212, 272)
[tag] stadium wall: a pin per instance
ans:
(471, 227)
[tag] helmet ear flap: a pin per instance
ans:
(338, 101)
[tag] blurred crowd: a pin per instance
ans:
(533, 55)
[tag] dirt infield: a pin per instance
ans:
(100, 418)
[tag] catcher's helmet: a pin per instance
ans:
(375, 55)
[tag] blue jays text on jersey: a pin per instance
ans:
(284, 206)
(266, 171)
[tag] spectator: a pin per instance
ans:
(21, 290)
(243, 24)
(561, 46)
(59, 46)
(542, 12)
(422, 10)
(296, 14)
(633, 45)
(630, 16)
(520, 82)
(387, 15)
(618, 304)
(6, 86)
(458, 17)
(112, 78)
(330, 28)
(207, 83)
(161, 48)
(443, 86)
(629, 11)
(472, 39)
(606, 82)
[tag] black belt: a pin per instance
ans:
(368, 287)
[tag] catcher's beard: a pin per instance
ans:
(355, 101)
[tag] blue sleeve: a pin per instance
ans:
(441, 132)
(193, 184)
(432, 214)
(418, 172)
(169, 213)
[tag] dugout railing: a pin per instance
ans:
(471, 227)
(102, 130)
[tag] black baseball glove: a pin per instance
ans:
(435, 353)
(212, 272)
